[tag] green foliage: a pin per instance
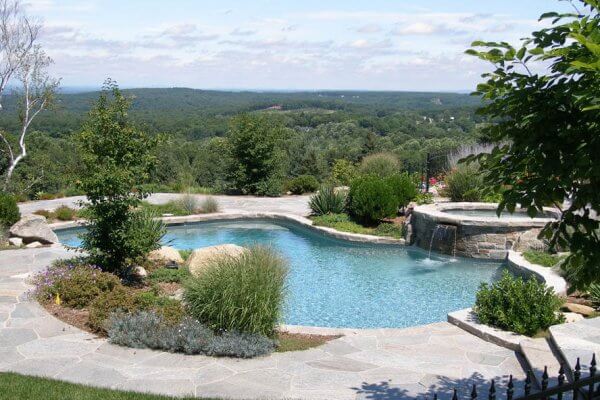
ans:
(242, 294)
(75, 281)
(209, 205)
(542, 258)
(371, 199)
(546, 130)
(423, 198)
(64, 213)
(116, 160)
(524, 307)
(303, 184)
(168, 275)
(328, 200)
(150, 330)
(382, 165)
(464, 183)
(143, 234)
(119, 299)
(594, 294)
(343, 172)
(9, 211)
(257, 155)
(403, 187)
(343, 222)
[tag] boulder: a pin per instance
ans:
(33, 228)
(34, 245)
(572, 317)
(201, 258)
(15, 241)
(141, 272)
(166, 254)
(586, 311)
(528, 240)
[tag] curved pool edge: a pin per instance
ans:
(549, 276)
(228, 216)
(437, 212)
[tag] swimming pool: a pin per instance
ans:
(335, 283)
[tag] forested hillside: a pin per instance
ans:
(321, 127)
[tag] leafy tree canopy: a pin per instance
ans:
(544, 99)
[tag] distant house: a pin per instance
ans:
(275, 107)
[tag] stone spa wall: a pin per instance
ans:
(471, 236)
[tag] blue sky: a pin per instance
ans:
(269, 44)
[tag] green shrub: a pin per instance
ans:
(464, 183)
(209, 205)
(424, 198)
(9, 210)
(403, 187)
(328, 200)
(343, 172)
(77, 283)
(524, 307)
(382, 165)
(150, 330)
(303, 184)
(242, 294)
(120, 299)
(168, 275)
(371, 199)
(64, 213)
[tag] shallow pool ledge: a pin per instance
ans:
(516, 261)
(228, 216)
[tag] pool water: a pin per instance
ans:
(335, 283)
(492, 214)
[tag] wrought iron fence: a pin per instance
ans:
(576, 388)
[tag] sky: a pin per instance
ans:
(279, 44)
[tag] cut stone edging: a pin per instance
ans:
(547, 275)
(467, 320)
(228, 216)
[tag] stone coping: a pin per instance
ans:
(437, 213)
(547, 275)
(467, 320)
(228, 216)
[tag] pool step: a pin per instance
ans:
(539, 354)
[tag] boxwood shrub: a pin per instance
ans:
(371, 199)
(303, 184)
(524, 307)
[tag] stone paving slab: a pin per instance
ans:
(374, 363)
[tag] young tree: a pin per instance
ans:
(117, 160)
(257, 156)
(24, 60)
(546, 127)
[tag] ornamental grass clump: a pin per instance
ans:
(328, 200)
(524, 307)
(243, 294)
(209, 205)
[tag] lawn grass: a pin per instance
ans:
(542, 258)
(343, 222)
(300, 342)
(15, 386)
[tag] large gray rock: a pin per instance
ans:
(33, 228)
(200, 259)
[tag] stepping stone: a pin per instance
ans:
(540, 354)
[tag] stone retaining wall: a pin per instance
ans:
(472, 236)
